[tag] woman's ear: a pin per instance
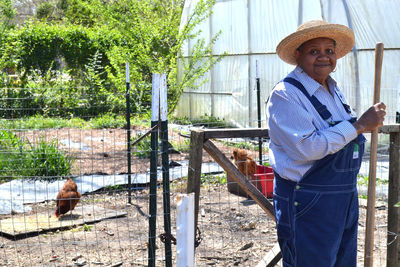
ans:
(297, 55)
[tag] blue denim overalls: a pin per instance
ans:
(317, 218)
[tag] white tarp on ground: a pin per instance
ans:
(14, 194)
(250, 31)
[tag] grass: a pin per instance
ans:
(40, 122)
(18, 158)
(206, 121)
(103, 121)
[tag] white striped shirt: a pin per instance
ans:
(299, 135)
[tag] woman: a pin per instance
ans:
(316, 149)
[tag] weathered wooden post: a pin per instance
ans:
(194, 171)
(393, 228)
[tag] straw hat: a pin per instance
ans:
(343, 36)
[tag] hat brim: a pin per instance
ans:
(343, 36)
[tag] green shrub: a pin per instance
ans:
(47, 161)
(11, 155)
(44, 10)
(19, 159)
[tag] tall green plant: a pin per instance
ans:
(19, 159)
(46, 160)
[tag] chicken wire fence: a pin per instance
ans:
(110, 224)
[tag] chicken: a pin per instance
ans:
(245, 163)
(67, 198)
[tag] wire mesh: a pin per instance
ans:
(104, 229)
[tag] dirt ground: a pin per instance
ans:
(234, 230)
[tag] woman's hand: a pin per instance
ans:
(371, 119)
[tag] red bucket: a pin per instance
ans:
(265, 176)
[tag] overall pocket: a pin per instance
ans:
(305, 201)
(349, 158)
(282, 216)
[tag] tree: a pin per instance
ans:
(106, 35)
(7, 14)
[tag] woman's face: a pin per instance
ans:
(317, 57)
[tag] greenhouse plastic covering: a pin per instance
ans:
(251, 29)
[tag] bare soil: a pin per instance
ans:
(234, 231)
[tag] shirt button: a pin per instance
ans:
(296, 203)
(297, 186)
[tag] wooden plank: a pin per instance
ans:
(27, 225)
(194, 169)
(235, 133)
(271, 258)
(387, 129)
(393, 243)
(238, 177)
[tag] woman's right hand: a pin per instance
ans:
(371, 119)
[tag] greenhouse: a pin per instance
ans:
(251, 29)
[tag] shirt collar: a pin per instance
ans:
(310, 84)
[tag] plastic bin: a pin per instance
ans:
(265, 176)
(263, 180)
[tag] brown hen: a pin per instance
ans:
(67, 198)
(245, 163)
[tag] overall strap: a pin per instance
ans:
(321, 109)
(346, 107)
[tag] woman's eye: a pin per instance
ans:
(330, 51)
(314, 52)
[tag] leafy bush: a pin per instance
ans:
(11, 156)
(44, 10)
(19, 159)
(46, 160)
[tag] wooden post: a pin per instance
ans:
(194, 171)
(393, 229)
